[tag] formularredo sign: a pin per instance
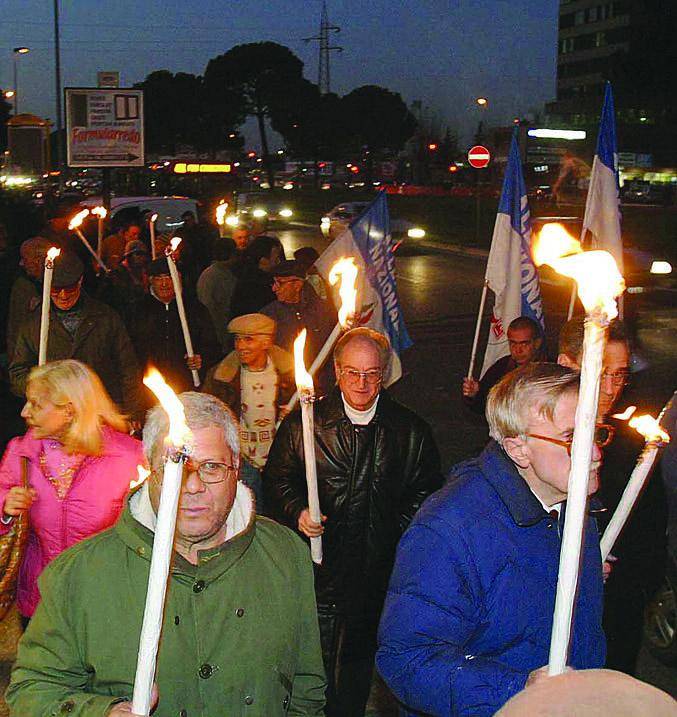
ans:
(104, 127)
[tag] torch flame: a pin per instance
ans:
(174, 244)
(100, 212)
(153, 217)
(221, 210)
(347, 270)
(650, 429)
(142, 472)
(303, 379)
(179, 434)
(52, 253)
(77, 220)
(626, 415)
(595, 272)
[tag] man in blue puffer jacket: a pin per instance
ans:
(468, 616)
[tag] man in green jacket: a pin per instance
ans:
(240, 633)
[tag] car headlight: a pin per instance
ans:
(259, 213)
(416, 233)
(661, 267)
(286, 213)
(232, 220)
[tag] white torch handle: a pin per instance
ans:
(44, 314)
(577, 495)
(157, 586)
(182, 315)
(308, 423)
(638, 479)
(97, 258)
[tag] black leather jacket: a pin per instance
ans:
(372, 479)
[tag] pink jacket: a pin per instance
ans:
(93, 503)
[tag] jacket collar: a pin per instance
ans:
(523, 506)
(137, 523)
(332, 411)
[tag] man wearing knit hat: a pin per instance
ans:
(84, 329)
(158, 338)
(25, 295)
(256, 381)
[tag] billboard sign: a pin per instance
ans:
(104, 127)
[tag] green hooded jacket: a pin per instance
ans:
(240, 633)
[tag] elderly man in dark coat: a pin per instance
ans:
(157, 335)
(376, 462)
(84, 329)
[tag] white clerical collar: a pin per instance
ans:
(238, 518)
(359, 418)
(549, 508)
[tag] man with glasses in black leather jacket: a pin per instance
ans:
(376, 462)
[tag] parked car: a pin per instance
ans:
(168, 209)
(338, 219)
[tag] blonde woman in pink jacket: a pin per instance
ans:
(80, 462)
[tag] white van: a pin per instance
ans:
(168, 209)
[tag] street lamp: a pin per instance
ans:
(16, 52)
(482, 101)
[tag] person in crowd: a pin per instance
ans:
(198, 239)
(376, 462)
(254, 288)
(468, 616)
(215, 288)
(525, 340)
(298, 307)
(158, 337)
(79, 461)
(84, 329)
(638, 557)
(306, 256)
(25, 296)
(256, 382)
(113, 246)
(125, 287)
(240, 632)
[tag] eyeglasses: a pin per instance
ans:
(604, 434)
(209, 472)
(618, 378)
(353, 376)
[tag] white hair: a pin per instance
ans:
(202, 411)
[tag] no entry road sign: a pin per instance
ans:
(478, 156)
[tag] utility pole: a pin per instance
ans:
(325, 46)
(57, 79)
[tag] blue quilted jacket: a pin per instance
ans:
(469, 608)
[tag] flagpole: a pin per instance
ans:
(480, 314)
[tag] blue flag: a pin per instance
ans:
(368, 241)
(511, 273)
(602, 208)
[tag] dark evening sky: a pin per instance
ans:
(443, 52)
